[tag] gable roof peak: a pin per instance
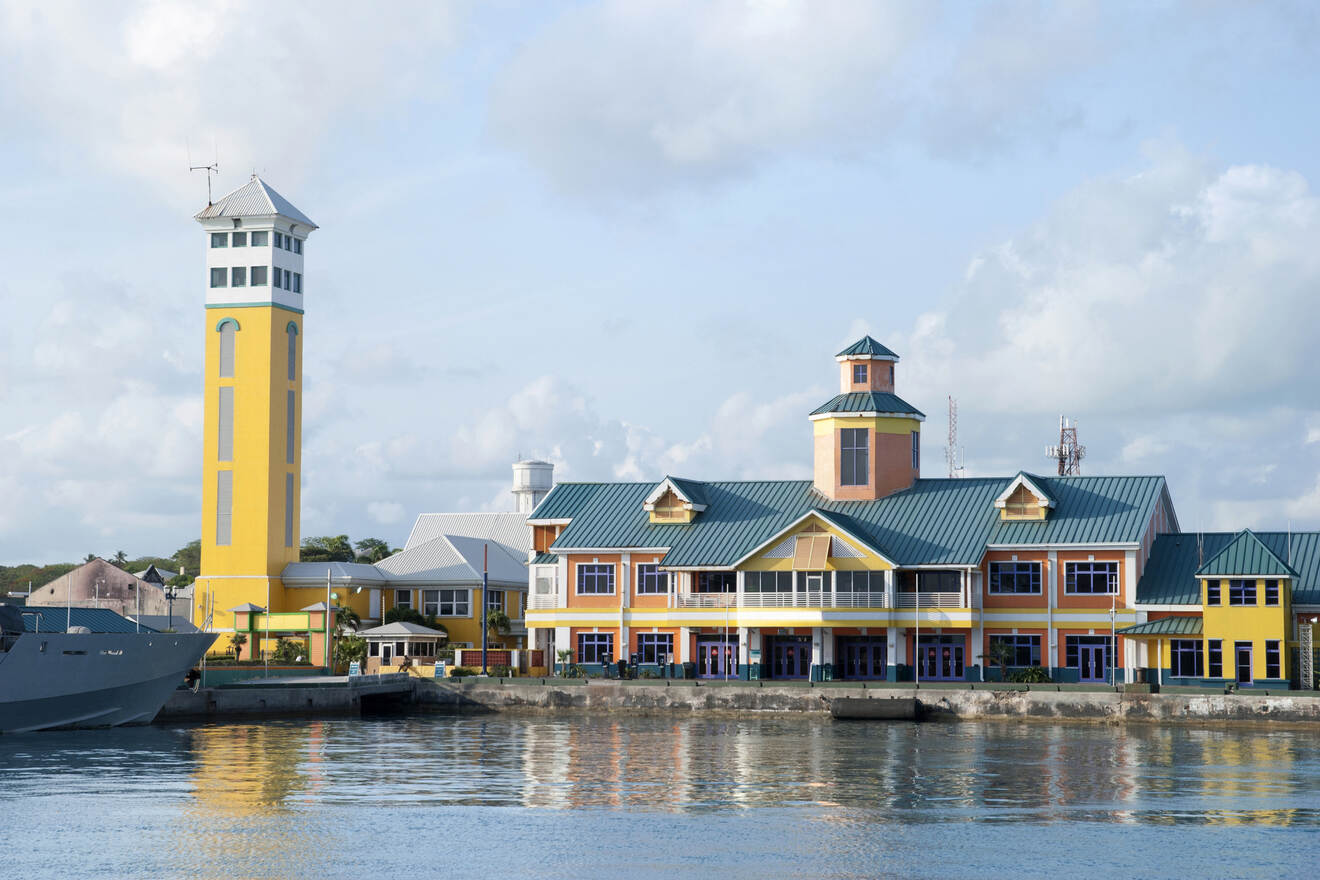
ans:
(691, 492)
(1246, 554)
(1034, 484)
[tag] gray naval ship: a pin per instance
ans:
(81, 678)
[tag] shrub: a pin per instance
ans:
(1030, 675)
(462, 671)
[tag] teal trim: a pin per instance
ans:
(224, 321)
(867, 346)
(249, 305)
(292, 328)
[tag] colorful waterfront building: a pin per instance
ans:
(869, 571)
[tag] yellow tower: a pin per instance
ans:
(252, 455)
(867, 440)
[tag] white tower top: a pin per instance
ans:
(254, 253)
(532, 481)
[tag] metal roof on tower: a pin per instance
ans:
(1170, 575)
(880, 402)
(256, 198)
(1244, 556)
(867, 347)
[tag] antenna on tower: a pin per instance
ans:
(951, 450)
(213, 168)
(1069, 453)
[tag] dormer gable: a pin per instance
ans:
(1024, 499)
(675, 501)
(1245, 556)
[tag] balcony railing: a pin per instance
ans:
(930, 600)
(786, 599)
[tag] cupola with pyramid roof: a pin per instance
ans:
(867, 440)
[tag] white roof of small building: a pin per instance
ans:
(255, 198)
(509, 529)
(452, 559)
(310, 574)
(399, 628)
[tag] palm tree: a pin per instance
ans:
(497, 624)
(121, 559)
(373, 549)
(239, 640)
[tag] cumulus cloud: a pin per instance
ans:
(1173, 310)
(639, 94)
(135, 86)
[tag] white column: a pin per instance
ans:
(684, 645)
(894, 640)
(561, 584)
(1051, 588)
(625, 600)
(1129, 595)
(744, 634)
(817, 646)
(889, 588)
(834, 592)
(563, 642)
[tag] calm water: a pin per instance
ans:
(423, 796)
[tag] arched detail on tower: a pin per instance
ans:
(292, 328)
(223, 321)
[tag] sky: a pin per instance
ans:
(629, 237)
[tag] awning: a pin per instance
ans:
(1165, 626)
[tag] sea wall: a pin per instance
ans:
(285, 698)
(978, 702)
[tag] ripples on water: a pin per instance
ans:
(633, 796)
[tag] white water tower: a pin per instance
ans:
(532, 480)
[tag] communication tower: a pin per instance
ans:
(1068, 453)
(951, 456)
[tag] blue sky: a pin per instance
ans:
(629, 237)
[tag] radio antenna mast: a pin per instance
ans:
(213, 168)
(1069, 453)
(951, 451)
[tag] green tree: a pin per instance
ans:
(404, 615)
(1000, 654)
(290, 650)
(89, 557)
(121, 559)
(373, 550)
(350, 649)
(188, 559)
(327, 548)
(497, 624)
(239, 640)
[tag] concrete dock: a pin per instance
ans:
(277, 697)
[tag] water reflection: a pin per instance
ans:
(266, 799)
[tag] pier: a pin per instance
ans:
(284, 697)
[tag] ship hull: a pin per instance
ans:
(63, 680)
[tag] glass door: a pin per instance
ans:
(941, 658)
(1094, 664)
(790, 658)
(1242, 660)
(862, 658)
(717, 659)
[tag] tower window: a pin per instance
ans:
(260, 239)
(258, 275)
(225, 422)
(916, 450)
(228, 340)
(288, 510)
(1271, 592)
(288, 280)
(290, 429)
(297, 245)
(238, 277)
(279, 239)
(288, 242)
(219, 239)
(297, 282)
(292, 333)
(224, 507)
(854, 457)
(219, 277)
(239, 239)
(859, 374)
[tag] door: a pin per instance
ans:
(790, 659)
(717, 659)
(941, 658)
(1093, 662)
(863, 658)
(1242, 661)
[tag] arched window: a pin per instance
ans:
(292, 332)
(227, 328)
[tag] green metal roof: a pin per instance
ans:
(867, 345)
(1165, 626)
(1246, 555)
(1170, 575)
(691, 490)
(936, 522)
(865, 402)
(544, 559)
